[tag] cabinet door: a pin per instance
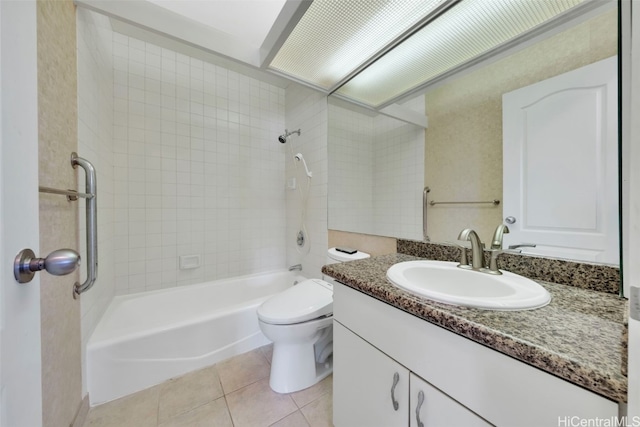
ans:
(432, 408)
(366, 383)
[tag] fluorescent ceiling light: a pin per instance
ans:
(336, 37)
(464, 32)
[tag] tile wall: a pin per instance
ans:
(95, 143)
(197, 168)
(306, 110)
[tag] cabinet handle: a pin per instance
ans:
(396, 378)
(420, 402)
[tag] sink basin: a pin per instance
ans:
(445, 282)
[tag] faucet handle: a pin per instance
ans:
(464, 259)
(493, 262)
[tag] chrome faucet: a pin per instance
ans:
(477, 253)
(297, 267)
(496, 241)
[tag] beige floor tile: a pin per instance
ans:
(185, 393)
(294, 420)
(136, 410)
(304, 397)
(212, 414)
(242, 370)
(319, 413)
(257, 405)
(267, 352)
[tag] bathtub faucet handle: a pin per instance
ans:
(297, 267)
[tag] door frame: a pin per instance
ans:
(630, 54)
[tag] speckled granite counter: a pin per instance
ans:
(579, 336)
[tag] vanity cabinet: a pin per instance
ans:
(429, 407)
(459, 377)
(374, 390)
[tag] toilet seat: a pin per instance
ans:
(308, 300)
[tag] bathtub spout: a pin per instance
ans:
(297, 267)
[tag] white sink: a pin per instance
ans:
(445, 282)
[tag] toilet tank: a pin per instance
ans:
(335, 255)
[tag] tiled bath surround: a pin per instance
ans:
(187, 162)
(306, 110)
(198, 169)
(95, 143)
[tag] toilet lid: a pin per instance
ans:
(343, 257)
(307, 300)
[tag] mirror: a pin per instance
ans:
(376, 167)
(462, 144)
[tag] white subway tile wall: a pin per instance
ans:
(307, 110)
(95, 143)
(376, 173)
(197, 169)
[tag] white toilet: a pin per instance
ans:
(299, 322)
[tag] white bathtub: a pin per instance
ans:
(144, 339)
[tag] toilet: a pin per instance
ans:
(299, 322)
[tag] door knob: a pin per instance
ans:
(58, 263)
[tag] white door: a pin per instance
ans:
(560, 164)
(20, 356)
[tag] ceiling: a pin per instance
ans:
(369, 52)
(246, 20)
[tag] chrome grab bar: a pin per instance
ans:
(92, 224)
(426, 191)
(494, 202)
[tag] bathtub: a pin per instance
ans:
(144, 339)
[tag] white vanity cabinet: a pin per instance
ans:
(381, 399)
(374, 390)
(432, 408)
(464, 383)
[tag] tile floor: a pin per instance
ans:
(234, 392)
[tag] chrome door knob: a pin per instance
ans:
(58, 263)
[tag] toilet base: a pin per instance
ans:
(302, 354)
(294, 368)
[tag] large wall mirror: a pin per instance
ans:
(369, 155)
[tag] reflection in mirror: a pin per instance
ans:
(376, 172)
(463, 158)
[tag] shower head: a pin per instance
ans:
(299, 158)
(283, 138)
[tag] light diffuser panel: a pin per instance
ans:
(469, 29)
(335, 37)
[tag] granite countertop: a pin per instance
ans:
(580, 336)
